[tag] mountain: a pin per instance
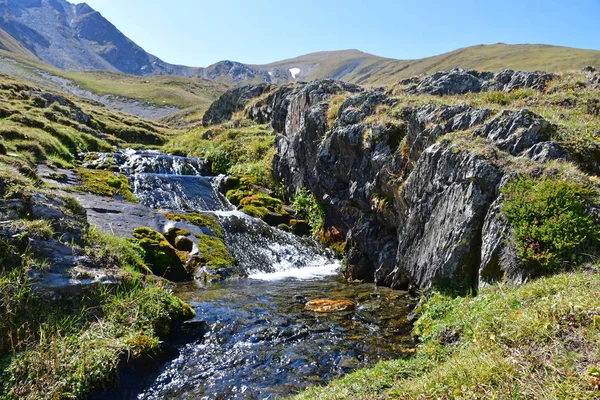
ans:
(77, 38)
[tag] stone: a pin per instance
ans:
(461, 81)
(184, 243)
(516, 131)
(231, 101)
(328, 305)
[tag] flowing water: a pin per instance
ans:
(261, 343)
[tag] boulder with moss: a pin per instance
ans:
(164, 259)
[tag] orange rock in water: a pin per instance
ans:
(326, 305)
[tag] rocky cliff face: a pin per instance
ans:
(417, 195)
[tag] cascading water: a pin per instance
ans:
(261, 343)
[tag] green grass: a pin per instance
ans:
(74, 348)
(244, 150)
(181, 92)
(537, 340)
(68, 347)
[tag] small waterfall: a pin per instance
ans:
(182, 184)
(268, 253)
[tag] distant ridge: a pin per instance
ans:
(78, 38)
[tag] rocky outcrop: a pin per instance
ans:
(460, 81)
(232, 101)
(416, 212)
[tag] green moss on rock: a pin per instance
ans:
(199, 219)
(164, 259)
(105, 183)
(213, 252)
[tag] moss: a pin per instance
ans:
(173, 233)
(160, 255)
(213, 252)
(199, 219)
(235, 196)
(255, 211)
(105, 183)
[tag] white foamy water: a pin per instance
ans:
(305, 273)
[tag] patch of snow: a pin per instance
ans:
(294, 72)
(270, 73)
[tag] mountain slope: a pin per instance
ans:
(75, 38)
(361, 68)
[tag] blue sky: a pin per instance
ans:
(199, 32)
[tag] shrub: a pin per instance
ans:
(550, 218)
(306, 206)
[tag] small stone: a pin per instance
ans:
(328, 305)
(183, 243)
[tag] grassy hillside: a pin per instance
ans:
(53, 347)
(181, 92)
(10, 44)
(366, 69)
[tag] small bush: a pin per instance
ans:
(306, 206)
(550, 219)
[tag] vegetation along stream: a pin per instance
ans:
(260, 342)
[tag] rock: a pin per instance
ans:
(188, 332)
(163, 258)
(499, 258)
(231, 101)
(183, 243)
(516, 131)
(593, 75)
(410, 208)
(444, 205)
(460, 81)
(43, 207)
(327, 305)
(456, 81)
(546, 151)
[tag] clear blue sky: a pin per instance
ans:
(200, 32)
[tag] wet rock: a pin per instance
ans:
(327, 305)
(188, 332)
(184, 243)
(300, 228)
